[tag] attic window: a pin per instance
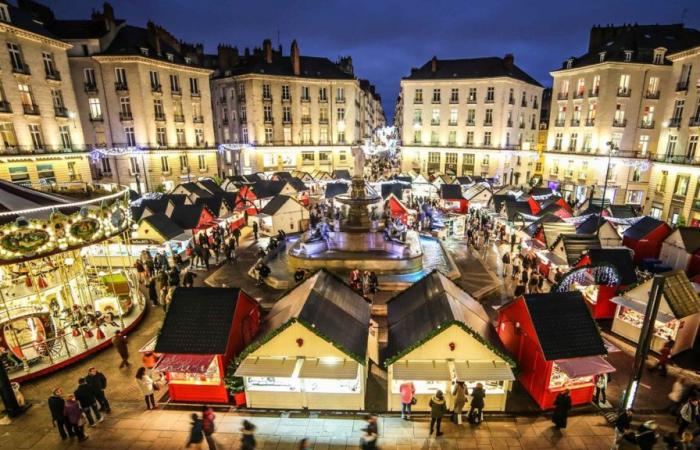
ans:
(188, 60)
(659, 54)
(4, 13)
(628, 55)
(144, 51)
(602, 56)
(170, 56)
(569, 63)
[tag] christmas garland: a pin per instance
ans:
(442, 327)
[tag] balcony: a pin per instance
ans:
(99, 118)
(323, 99)
(593, 92)
(60, 111)
(590, 122)
(90, 88)
(179, 117)
(42, 149)
(471, 123)
(340, 99)
(306, 120)
(436, 101)
(511, 100)
(523, 104)
(562, 96)
(454, 100)
(195, 94)
(675, 122)
(286, 99)
(509, 123)
(177, 92)
(676, 159)
(578, 95)
(287, 121)
(647, 124)
(452, 123)
(30, 109)
(624, 92)
(198, 119)
(5, 107)
(305, 99)
(53, 75)
(682, 86)
(435, 122)
(241, 98)
(488, 100)
(488, 123)
(157, 88)
(21, 69)
(575, 122)
(694, 121)
(559, 122)
(121, 87)
(323, 121)
(620, 123)
(125, 116)
(268, 121)
(418, 101)
(160, 117)
(652, 95)
(471, 101)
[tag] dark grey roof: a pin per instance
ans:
(330, 307)
(590, 225)
(210, 185)
(451, 192)
(187, 216)
(405, 179)
(534, 228)
(641, 39)
(475, 190)
(282, 175)
(554, 230)
(575, 245)
(464, 180)
(514, 207)
(341, 174)
(310, 67)
(623, 211)
(564, 326)
(80, 29)
(470, 68)
(198, 321)
(540, 191)
(297, 184)
(429, 304)
(394, 187)
(691, 238)
(267, 188)
(275, 204)
(31, 16)
(642, 228)
(131, 39)
(165, 227)
(620, 258)
(194, 188)
(337, 188)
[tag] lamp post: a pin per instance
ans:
(611, 144)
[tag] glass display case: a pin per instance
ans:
(275, 384)
(491, 387)
(560, 380)
(332, 386)
(663, 330)
(422, 386)
(211, 376)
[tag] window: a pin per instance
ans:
(671, 145)
(487, 138)
(596, 85)
(19, 175)
(286, 114)
(511, 96)
(184, 163)
(45, 173)
(322, 94)
(57, 98)
(37, 139)
(306, 136)
(434, 138)
(16, 57)
(619, 119)
(692, 147)
(624, 85)
(341, 114)
(470, 138)
(244, 134)
(417, 117)
(468, 164)
(243, 113)
(418, 96)
(488, 119)
(106, 166)
(4, 13)
(120, 76)
(436, 95)
(241, 92)
(267, 113)
(417, 137)
(268, 135)
(580, 87)
(124, 107)
(161, 137)
(648, 117)
(340, 94)
(653, 87)
(202, 162)
(130, 136)
(471, 98)
(285, 92)
(471, 116)
(434, 158)
(158, 109)
(681, 188)
(573, 142)
(287, 135)
(452, 138)
(155, 80)
(634, 197)
(628, 55)
(636, 175)
(26, 96)
(180, 136)
(677, 112)
(587, 142)
(194, 86)
(323, 114)
(323, 136)
(454, 95)
(49, 65)
(658, 56)
(164, 165)
(308, 158)
(663, 179)
(66, 141)
(7, 134)
(643, 145)
(341, 137)
(435, 117)
(175, 83)
(305, 93)
(199, 136)
(453, 116)
(557, 141)
(490, 94)
(89, 78)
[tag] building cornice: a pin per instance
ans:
(685, 54)
(22, 33)
(34, 158)
(470, 80)
(607, 65)
(150, 61)
(268, 76)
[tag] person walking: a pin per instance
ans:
(208, 426)
(506, 263)
(601, 384)
(476, 408)
(304, 444)
(119, 342)
(188, 278)
(146, 386)
(623, 423)
(437, 410)
(688, 414)
(255, 231)
(664, 358)
(196, 433)
(247, 436)
(407, 392)
(98, 382)
(57, 407)
(371, 436)
(85, 394)
(153, 290)
(75, 417)
(562, 406)
(459, 393)
(647, 436)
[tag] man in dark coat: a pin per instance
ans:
(56, 406)
(562, 405)
(119, 342)
(98, 382)
(85, 394)
(477, 406)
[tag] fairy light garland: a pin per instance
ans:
(97, 154)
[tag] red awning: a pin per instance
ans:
(585, 367)
(185, 363)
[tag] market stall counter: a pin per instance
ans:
(312, 351)
(439, 334)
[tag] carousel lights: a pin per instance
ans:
(65, 205)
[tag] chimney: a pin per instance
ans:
(267, 50)
(433, 64)
(296, 63)
(508, 61)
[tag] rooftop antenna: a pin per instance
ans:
(278, 37)
(683, 13)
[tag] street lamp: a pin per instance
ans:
(612, 149)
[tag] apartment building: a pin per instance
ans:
(674, 191)
(41, 139)
(143, 100)
(470, 117)
(612, 97)
(289, 112)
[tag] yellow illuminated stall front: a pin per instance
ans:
(55, 306)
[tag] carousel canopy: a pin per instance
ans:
(198, 321)
(431, 303)
(564, 325)
(642, 228)
(620, 258)
(15, 197)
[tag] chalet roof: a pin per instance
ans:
(163, 225)
(691, 238)
(275, 204)
(575, 245)
(451, 192)
(337, 188)
(267, 188)
(341, 174)
(187, 216)
(642, 228)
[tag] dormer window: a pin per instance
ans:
(170, 56)
(659, 55)
(144, 51)
(628, 55)
(602, 56)
(4, 13)
(569, 63)
(188, 60)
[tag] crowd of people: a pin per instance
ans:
(364, 283)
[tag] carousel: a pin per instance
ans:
(56, 305)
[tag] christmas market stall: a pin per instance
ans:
(452, 200)
(599, 275)
(568, 248)
(203, 330)
(678, 318)
(283, 213)
(56, 305)
(398, 209)
(606, 231)
(681, 250)
(439, 334)
(556, 344)
(645, 237)
(312, 351)
(478, 195)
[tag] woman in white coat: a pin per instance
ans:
(147, 387)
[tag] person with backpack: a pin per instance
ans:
(196, 433)
(476, 408)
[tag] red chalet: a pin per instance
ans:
(203, 330)
(451, 198)
(556, 343)
(646, 237)
(191, 217)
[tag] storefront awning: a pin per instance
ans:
(585, 367)
(640, 308)
(483, 371)
(422, 370)
(266, 367)
(185, 363)
(337, 369)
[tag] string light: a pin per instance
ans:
(233, 147)
(98, 153)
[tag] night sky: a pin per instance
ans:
(387, 38)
